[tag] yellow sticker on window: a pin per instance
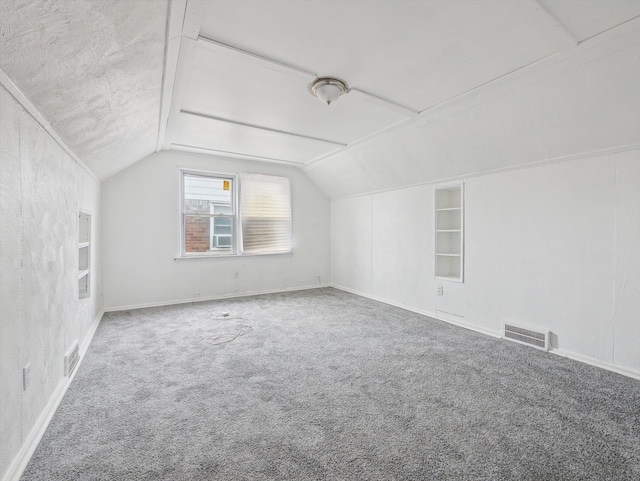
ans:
(225, 184)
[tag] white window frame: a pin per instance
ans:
(234, 214)
(237, 241)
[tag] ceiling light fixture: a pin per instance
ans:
(328, 89)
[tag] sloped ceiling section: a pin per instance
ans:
(583, 101)
(591, 108)
(244, 67)
(120, 79)
(93, 69)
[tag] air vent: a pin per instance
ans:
(71, 359)
(537, 338)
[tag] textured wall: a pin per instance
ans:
(93, 69)
(41, 190)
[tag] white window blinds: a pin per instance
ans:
(265, 209)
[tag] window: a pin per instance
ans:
(208, 213)
(212, 224)
(265, 205)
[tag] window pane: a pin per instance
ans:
(205, 198)
(222, 225)
(221, 209)
(199, 235)
(265, 206)
(196, 234)
(205, 195)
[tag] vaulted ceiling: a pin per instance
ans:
(120, 79)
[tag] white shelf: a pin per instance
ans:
(449, 230)
(84, 256)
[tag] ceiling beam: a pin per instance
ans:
(401, 109)
(193, 18)
(175, 21)
(260, 127)
(229, 154)
(185, 61)
(261, 59)
(187, 21)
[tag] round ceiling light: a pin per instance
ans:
(328, 89)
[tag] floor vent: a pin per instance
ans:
(528, 336)
(71, 359)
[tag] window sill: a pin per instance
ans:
(230, 256)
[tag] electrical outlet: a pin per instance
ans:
(441, 290)
(26, 376)
(236, 275)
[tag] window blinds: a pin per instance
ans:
(265, 210)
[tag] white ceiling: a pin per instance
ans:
(94, 69)
(119, 79)
(244, 67)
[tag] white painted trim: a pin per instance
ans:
(212, 298)
(550, 27)
(441, 316)
(193, 18)
(84, 345)
(258, 59)
(261, 127)
(597, 363)
(438, 315)
(186, 55)
(22, 99)
(385, 103)
(225, 155)
(613, 32)
(175, 20)
(528, 165)
(21, 460)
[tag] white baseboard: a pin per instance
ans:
(438, 315)
(212, 298)
(597, 363)
(19, 463)
(458, 321)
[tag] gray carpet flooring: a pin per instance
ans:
(322, 384)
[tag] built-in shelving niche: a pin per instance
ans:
(450, 232)
(84, 255)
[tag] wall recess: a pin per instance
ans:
(450, 232)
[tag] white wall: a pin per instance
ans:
(141, 227)
(550, 158)
(554, 246)
(41, 191)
